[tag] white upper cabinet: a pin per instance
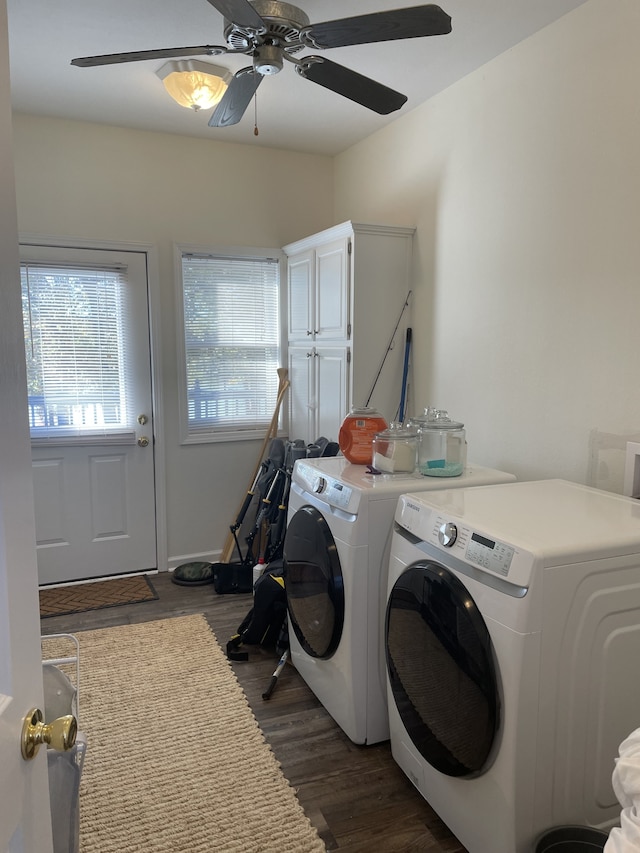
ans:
(301, 313)
(318, 292)
(332, 291)
(346, 289)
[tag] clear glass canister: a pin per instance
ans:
(442, 447)
(357, 432)
(426, 417)
(395, 450)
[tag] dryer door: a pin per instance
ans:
(441, 669)
(314, 583)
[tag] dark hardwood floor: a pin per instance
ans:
(357, 797)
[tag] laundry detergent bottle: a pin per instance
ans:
(258, 570)
(357, 432)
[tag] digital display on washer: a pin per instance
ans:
(489, 554)
(338, 494)
(483, 540)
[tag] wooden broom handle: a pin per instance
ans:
(272, 431)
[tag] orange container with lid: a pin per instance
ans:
(357, 432)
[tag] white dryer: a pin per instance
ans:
(336, 553)
(512, 639)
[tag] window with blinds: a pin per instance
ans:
(75, 346)
(231, 329)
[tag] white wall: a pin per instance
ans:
(105, 183)
(524, 183)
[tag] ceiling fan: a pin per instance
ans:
(271, 31)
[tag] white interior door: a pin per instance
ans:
(25, 825)
(25, 822)
(90, 410)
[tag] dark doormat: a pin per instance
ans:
(62, 600)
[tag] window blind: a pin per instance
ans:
(232, 341)
(75, 344)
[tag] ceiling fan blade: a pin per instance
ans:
(350, 84)
(414, 22)
(138, 55)
(241, 13)
(236, 99)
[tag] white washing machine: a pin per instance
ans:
(512, 641)
(336, 553)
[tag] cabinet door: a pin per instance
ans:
(300, 273)
(301, 393)
(332, 291)
(332, 389)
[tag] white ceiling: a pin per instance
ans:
(293, 113)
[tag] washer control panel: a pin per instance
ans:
(336, 493)
(332, 491)
(474, 547)
(448, 533)
(490, 554)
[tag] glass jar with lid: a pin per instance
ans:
(442, 446)
(418, 421)
(395, 450)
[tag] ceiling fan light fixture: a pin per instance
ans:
(193, 84)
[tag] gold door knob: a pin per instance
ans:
(143, 441)
(60, 734)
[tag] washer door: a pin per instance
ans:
(441, 669)
(314, 583)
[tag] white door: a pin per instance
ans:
(90, 411)
(302, 409)
(332, 390)
(319, 391)
(332, 291)
(301, 316)
(25, 825)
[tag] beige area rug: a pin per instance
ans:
(176, 762)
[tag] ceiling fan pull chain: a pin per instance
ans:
(255, 114)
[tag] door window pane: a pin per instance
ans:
(75, 344)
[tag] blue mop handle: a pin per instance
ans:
(405, 373)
